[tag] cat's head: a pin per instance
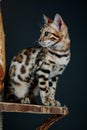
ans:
(54, 34)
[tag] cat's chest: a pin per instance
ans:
(58, 60)
(57, 64)
(56, 70)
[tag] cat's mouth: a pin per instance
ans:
(48, 44)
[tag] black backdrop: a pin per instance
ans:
(22, 22)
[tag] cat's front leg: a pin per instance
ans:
(43, 82)
(52, 89)
(44, 89)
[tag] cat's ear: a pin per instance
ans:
(58, 21)
(46, 19)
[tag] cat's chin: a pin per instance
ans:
(45, 45)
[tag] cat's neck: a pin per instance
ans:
(55, 49)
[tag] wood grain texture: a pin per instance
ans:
(29, 108)
(2, 53)
(50, 121)
(2, 64)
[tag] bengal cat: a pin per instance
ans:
(38, 69)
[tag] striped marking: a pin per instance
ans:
(26, 80)
(46, 63)
(61, 69)
(51, 62)
(43, 77)
(54, 79)
(58, 75)
(50, 84)
(58, 55)
(45, 71)
(42, 83)
(20, 78)
(42, 89)
(14, 82)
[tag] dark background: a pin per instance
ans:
(22, 21)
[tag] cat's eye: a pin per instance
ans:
(46, 33)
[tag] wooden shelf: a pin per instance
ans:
(29, 108)
(56, 112)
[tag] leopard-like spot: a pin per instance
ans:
(12, 71)
(27, 53)
(23, 69)
(18, 58)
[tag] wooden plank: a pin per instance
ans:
(2, 53)
(29, 108)
(2, 63)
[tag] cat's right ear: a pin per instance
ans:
(46, 19)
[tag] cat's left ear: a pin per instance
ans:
(46, 19)
(58, 21)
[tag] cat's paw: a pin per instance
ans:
(55, 103)
(25, 100)
(46, 103)
(52, 103)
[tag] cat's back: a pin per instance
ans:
(25, 55)
(25, 61)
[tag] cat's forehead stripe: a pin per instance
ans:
(54, 30)
(50, 28)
